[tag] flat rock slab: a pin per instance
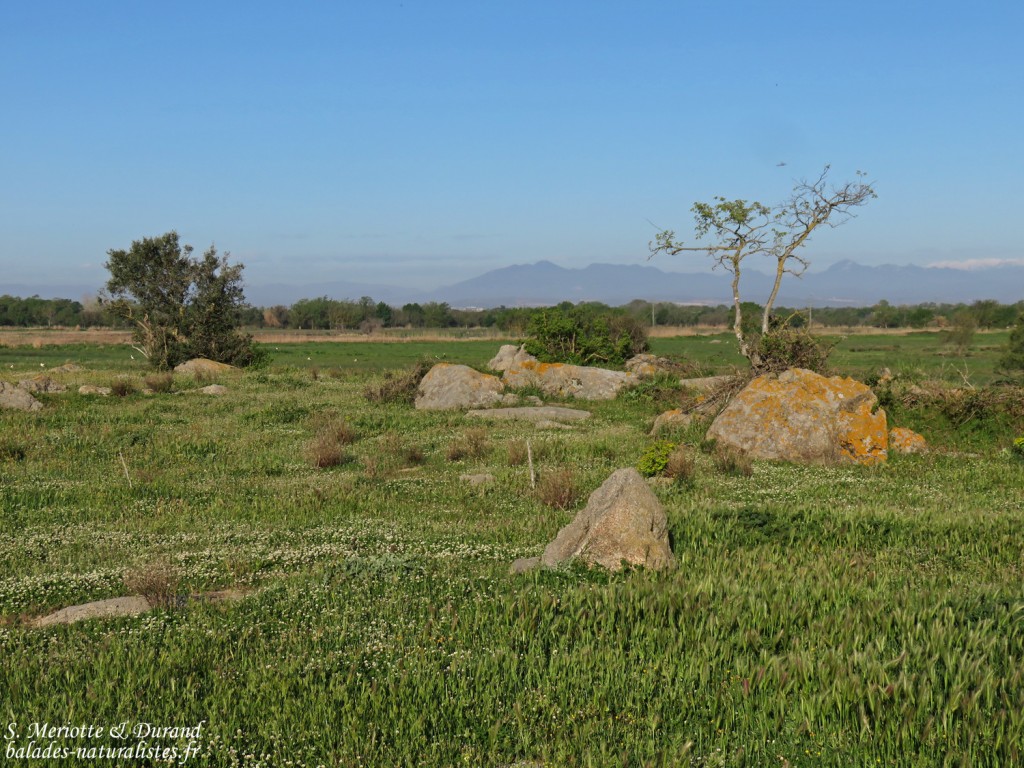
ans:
(483, 478)
(539, 414)
(213, 389)
(100, 609)
(133, 605)
(90, 389)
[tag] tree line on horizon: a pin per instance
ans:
(367, 315)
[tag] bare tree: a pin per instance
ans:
(740, 229)
(811, 205)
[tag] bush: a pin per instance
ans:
(1018, 448)
(398, 387)
(655, 458)
(785, 348)
(584, 336)
(1012, 361)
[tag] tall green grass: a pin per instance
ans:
(817, 616)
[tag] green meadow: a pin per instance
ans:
(818, 616)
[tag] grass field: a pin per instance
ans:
(818, 616)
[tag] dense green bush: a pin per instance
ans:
(655, 458)
(1012, 361)
(584, 336)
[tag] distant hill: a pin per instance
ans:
(544, 283)
(843, 284)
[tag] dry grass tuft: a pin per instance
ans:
(557, 488)
(730, 462)
(517, 453)
(160, 382)
(122, 387)
(472, 445)
(156, 581)
(681, 466)
(324, 452)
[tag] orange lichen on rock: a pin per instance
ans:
(799, 415)
(903, 440)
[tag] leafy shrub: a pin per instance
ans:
(655, 458)
(558, 489)
(1012, 361)
(584, 336)
(785, 348)
(1018, 448)
(398, 387)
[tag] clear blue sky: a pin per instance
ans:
(418, 143)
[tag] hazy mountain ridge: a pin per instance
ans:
(544, 283)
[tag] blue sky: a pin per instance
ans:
(420, 143)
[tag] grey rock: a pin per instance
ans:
(201, 366)
(89, 389)
(563, 380)
(524, 564)
(213, 389)
(451, 387)
(509, 355)
(41, 384)
(623, 521)
(100, 609)
(13, 398)
(530, 413)
(674, 419)
(706, 383)
(482, 478)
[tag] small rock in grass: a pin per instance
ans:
(90, 389)
(213, 389)
(902, 440)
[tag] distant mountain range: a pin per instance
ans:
(543, 283)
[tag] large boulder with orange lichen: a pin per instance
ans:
(565, 380)
(801, 416)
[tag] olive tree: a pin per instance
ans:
(181, 307)
(737, 229)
